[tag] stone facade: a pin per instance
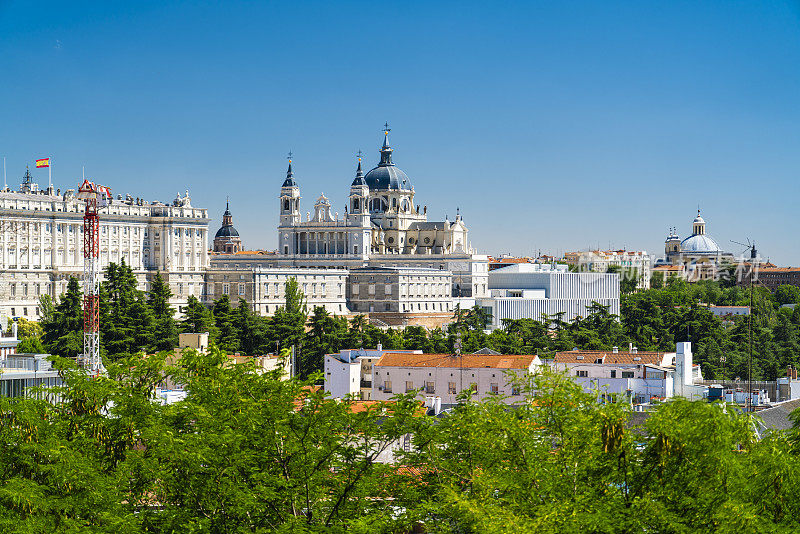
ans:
(41, 243)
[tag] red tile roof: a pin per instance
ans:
(472, 361)
(609, 357)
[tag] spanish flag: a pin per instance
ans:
(43, 162)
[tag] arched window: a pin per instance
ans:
(355, 204)
(285, 205)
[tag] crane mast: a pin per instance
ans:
(95, 196)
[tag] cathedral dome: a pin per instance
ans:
(386, 176)
(227, 231)
(700, 244)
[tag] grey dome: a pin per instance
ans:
(700, 244)
(385, 177)
(227, 231)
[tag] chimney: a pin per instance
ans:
(635, 350)
(789, 371)
(630, 347)
(615, 350)
(379, 347)
(794, 373)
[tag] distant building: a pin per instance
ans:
(699, 254)
(531, 291)
(401, 296)
(19, 373)
(626, 260)
(637, 374)
(446, 376)
(349, 372)
(227, 238)
(41, 244)
(773, 277)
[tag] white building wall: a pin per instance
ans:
(41, 245)
(442, 377)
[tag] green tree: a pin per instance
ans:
(198, 318)
(228, 337)
(787, 294)
(165, 330)
(63, 326)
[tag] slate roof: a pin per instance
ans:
(777, 417)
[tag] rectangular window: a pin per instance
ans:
(582, 373)
(355, 289)
(371, 289)
(627, 374)
(514, 391)
(493, 388)
(241, 289)
(387, 289)
(451, 388)
(226, 289)
(429, 388)
(409, 386)
(614, 373)
(13, 292)
(387, 386)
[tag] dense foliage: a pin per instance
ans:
(246, 452)
(652, 319)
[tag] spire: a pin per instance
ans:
(386, 150)
(359, 179)
(227, 218)
(289, 182)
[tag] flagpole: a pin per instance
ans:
(50, 176)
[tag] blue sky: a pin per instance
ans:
(554, 125)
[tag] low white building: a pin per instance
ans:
(531, 291)
(19, 373)
(350, 371)
(638, 374)
(446, 375)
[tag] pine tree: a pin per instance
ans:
(63, 330)
(165, 329)
(126, 324)
(198, 318)
(225, 321)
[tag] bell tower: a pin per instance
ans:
(290, 199)
(290, 213)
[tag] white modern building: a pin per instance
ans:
(628, 262)
(19, 373)
(41, 244)
(350, 372)
(445, 375)
(640, 375)
(531, 291)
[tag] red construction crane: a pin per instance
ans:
(96, 197)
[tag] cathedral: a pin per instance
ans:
(698, 248)
(381, 218)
